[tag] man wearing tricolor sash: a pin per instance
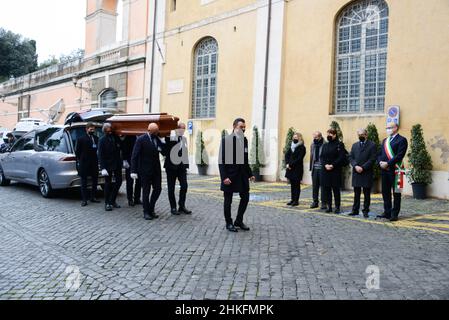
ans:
(390, 159)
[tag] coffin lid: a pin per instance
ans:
(137, 124)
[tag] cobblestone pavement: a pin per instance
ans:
(54, 249)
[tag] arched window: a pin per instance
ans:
(361, 57)
(205, 79)
(108, 99)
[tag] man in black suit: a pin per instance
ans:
(176, 165)
(235, 173)
(133, 190)
(87, 162)
(390, 158)
(145, 164)
(362, 157)
(109, 156)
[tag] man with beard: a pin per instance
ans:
(235, 173)
(87, 162)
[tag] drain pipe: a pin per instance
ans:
(153, 48)
(267, 59)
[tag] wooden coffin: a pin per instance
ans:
(137, 124)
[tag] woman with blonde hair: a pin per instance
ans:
(294, 167)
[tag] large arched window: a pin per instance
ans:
(108, 99)
(361, 57)
(205, 79)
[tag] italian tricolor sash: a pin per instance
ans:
(399, 169)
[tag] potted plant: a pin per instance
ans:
(201, 158)
(288, 142)
(257, 158)
(373, 135)
(419, 175)
(224, 133)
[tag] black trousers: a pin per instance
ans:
(112, 184)
(295, 188)
(328, 196)
(181, 175)
(316, 186)
(132, 192)
(387, 186)
(148, 182)
(85, 194)
(244, 199)
(366, 199)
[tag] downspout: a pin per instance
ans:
(267, 59)
(153, 48)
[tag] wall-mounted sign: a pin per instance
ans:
(393, 114)
(190, 127)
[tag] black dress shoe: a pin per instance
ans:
(174, 212)
(184, 210)
(84, 203)
(137, 202)
(147, 216)
(323, 207)
(383, 216)
(314, 205)
(289, 203)
(108, 207)
(116, 206)
(329, 210)
(295, 204)
(131, 203)
(353, 214)
(154, 215)
(337, 211)
(394, 218)
(231, 227)
(241, 225)
(365, 215)
(93, 200)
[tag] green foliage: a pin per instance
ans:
(201, 157)
(257, 156)
(17, 55)
(74, 55)
(373, 135)
(288, 142)
(224, 133)
(334, 125)
(419, 158)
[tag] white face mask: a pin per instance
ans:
(389, 132)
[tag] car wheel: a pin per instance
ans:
(44, 184)
(3, 181)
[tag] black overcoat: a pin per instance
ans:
(296, 162)
(177, 154)
(109, 153)
(399, 144)
(145, 158)
(86, 155)
(234, 164)
(365, 157)
(332, 153)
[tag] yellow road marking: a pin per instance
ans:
(279, 204)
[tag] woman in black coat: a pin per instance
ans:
(333, 158)
(294, 167)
